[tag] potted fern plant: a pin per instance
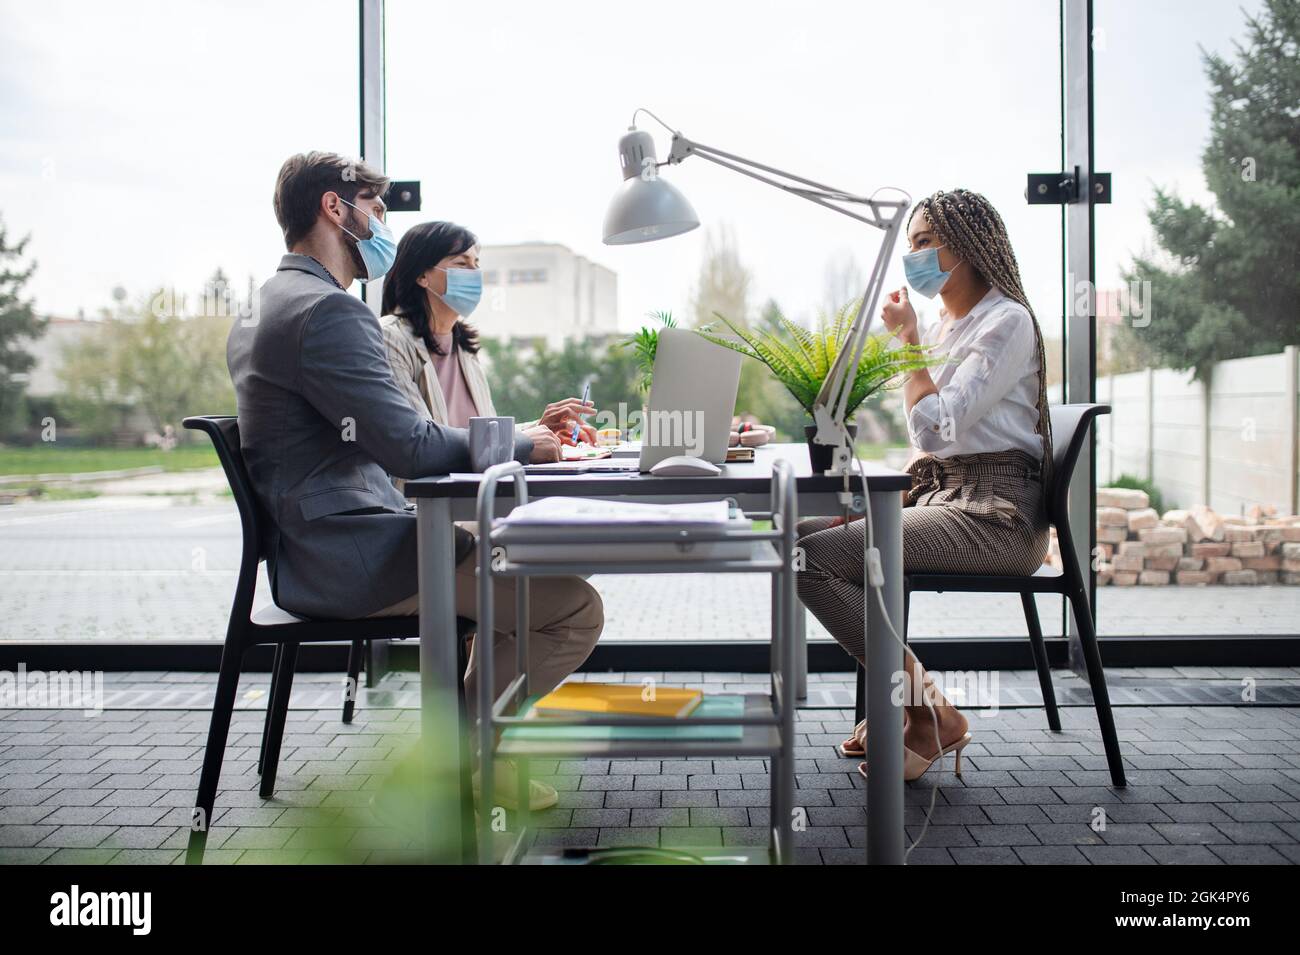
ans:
(801, 358)
(645, 344)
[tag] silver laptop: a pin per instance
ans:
(692, 399)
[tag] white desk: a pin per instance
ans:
(443, 500)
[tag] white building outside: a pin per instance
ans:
(545, 292)
(60, 334)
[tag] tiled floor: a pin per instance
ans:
(1207, 784)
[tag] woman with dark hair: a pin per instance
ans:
(982, 449)
(434, 285)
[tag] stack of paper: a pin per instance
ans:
(620, 531)
(588, 511)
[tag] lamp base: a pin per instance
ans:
(822, 456)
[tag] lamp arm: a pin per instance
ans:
(838, 386)
(824, 195)
(831, 405)
(830, 409)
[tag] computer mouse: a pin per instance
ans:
(683, 465)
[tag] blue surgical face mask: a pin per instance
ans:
(379, 250)
(923, 272)
(464, 289)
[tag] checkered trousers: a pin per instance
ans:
(966, 514)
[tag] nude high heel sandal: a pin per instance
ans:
(915, 765)
(854, 747)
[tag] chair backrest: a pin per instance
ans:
(1069, 431)
(224, 432)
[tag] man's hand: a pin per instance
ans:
(560, 415)
(899, 317)
(546, 446)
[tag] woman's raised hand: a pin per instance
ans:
(559, 417)
(586, 433)
(899, 316)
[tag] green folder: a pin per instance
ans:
(711, 706)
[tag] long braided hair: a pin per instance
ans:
(969, 225)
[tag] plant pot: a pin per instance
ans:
(821, 456)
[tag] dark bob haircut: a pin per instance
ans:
(422, 247)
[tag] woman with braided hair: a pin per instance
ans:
(982, 444)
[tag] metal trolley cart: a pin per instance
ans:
(767, 723)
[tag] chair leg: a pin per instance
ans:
(1097, 680)
(223, 708)
(279, 710)
(352, 687)
(270, 695)
(1040, 660)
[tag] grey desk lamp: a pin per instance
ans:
(647, 208)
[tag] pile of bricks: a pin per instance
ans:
(1192, 547)
(1138, 546)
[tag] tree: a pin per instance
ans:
(1226, 281)
(843, 281)
(524, 382)
(89, 401)
(18, 326)
(724, 282)
(723, 288)
(151, 358)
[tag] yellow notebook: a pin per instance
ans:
(624, 699)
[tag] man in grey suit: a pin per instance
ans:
(324, 428)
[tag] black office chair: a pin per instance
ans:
(272, 625)
(1069, 430)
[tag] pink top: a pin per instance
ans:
(455, 389)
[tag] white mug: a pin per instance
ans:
(491, 441)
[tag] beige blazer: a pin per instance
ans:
(413, 370)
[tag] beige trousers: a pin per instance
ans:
(974, 514)
(565, 617)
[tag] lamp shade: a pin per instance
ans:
(645, 207)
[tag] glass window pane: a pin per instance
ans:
(1197, 332)
(511, 118)
(142, 144)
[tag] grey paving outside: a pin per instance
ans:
(1207, 784)
(162, 567)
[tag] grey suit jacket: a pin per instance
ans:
(322, 426)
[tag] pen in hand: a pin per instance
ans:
(586, 389)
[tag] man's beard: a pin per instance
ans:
(358, 263)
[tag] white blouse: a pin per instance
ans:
(988, 388)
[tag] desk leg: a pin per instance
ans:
(439, 720)
(884, 662)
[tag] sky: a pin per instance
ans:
(142, 139)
